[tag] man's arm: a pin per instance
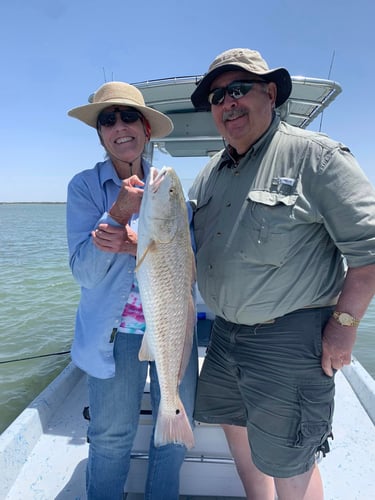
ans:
(356, 295)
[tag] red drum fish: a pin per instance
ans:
(166, 274)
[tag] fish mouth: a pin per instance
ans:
(157, 179)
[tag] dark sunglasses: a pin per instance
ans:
(108, 118)
(236, 90)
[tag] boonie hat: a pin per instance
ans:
(122, 94)
(248, 60)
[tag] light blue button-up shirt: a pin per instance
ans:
(105, 278)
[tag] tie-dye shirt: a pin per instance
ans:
(133, 320)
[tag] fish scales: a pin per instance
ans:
(166, 273)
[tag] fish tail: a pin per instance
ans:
(174, 428)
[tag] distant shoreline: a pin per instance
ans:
(32, 202)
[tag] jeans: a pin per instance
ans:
(115, 405)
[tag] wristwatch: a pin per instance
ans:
(345, 319)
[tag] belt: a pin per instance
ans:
(331, 304)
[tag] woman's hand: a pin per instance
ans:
(128, 200)
(115, 239)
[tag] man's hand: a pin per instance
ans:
(115, 239)
(128, 200)
(338, 342)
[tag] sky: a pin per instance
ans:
(55, 53)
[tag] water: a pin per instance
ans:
(38, 299)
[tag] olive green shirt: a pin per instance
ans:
(274, 231)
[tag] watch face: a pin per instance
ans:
(345, 319)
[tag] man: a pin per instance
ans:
(285, 233)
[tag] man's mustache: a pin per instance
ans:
(233, 113)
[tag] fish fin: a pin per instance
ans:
(145, 352)
(173, 428)
(150, 248)
(189, 336)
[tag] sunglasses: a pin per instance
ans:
(236, 90)
(108, 118)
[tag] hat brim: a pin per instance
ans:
(160, 124)
(280, 76)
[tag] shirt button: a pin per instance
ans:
(229, 204)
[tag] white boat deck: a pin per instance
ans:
(44, 455)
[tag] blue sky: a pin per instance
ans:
(54, 53)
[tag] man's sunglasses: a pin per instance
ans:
(236, 90)
(108, 118)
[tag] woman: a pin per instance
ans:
(102, 217)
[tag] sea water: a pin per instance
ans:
(38, 299)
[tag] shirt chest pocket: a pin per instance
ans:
(266, 229)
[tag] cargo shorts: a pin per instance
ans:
(268, 377)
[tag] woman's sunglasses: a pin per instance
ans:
(236, 90)
(108, 118)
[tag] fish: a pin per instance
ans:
(165, 270)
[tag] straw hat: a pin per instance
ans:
(122, 94)
(248, 60)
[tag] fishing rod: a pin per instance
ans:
(34, 357)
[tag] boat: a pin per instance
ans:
(43, 452)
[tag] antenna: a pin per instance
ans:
(330, 68)
(105, 76)
(329, 76)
